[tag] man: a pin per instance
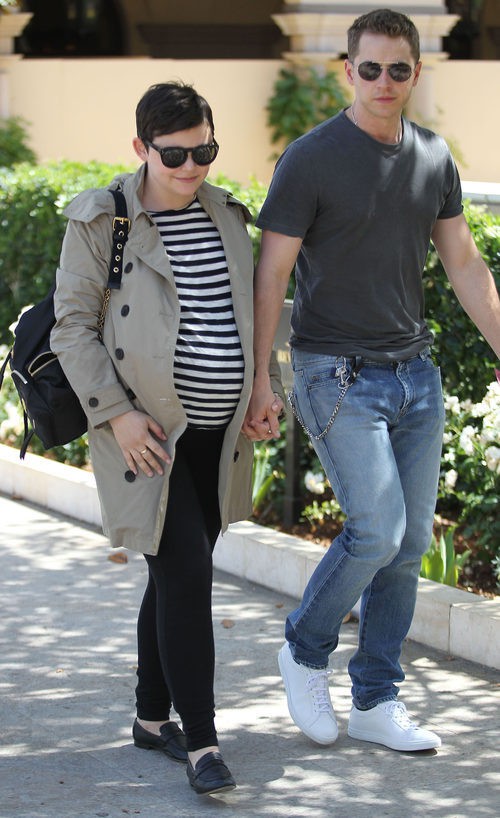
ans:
(354, 204)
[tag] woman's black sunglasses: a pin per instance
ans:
(173, 157)
(398, 71)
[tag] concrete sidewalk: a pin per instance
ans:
(68, 674)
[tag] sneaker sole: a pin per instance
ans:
(323, 742)
(373, 738)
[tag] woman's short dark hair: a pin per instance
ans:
(169, 107)
(383, 21)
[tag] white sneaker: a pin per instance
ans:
(308, 698)
(388, 723)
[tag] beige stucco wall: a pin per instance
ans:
(84, 109)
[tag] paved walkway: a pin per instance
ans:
(67, 677)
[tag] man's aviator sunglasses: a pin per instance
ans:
(398, 71)
(174, 157)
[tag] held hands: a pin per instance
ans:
(137, 435)
(262, 417)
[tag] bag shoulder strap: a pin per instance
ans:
(121, 227)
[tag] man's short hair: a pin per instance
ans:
(169, 107)
(383, 21)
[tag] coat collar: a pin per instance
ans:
(91, 203)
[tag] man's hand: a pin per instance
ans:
(262, 417)
(137, 435)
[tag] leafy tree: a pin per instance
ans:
(302, 98)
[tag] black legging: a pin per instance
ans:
(174, 627)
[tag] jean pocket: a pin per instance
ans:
(321, 391)
(324, 373)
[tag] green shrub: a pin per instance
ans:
(13, 146)
(467, 361)
(32, 199)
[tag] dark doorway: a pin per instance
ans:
(72, 28)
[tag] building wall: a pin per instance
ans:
(84, 109)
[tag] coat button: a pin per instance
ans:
(125, 309)
(235, 456)
(93, 402)
(128, 267)
(119, 353)
(129, 476)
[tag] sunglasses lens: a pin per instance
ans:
(400, 71)
(173, 157)
(205, 154)
(369, 70)
(202, 155)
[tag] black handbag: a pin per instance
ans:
(50, 406)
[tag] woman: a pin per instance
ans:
(166, 394)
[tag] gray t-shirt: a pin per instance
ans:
(365, 211)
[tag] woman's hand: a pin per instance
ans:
(137, 435)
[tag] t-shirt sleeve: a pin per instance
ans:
(452, 205)
(291, 203)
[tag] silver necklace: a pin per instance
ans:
(398, 135)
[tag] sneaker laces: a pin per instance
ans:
(398, 713)
(317, 684)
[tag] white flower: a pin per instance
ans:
(490, 405)
(449, 457)
(450, 479)
(315, 483)
(467, 439)
(489, 435)
(492, 457)
(452, 404)
(447, 438)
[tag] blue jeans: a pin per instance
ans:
(382, 458)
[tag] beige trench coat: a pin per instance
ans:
(137, 352)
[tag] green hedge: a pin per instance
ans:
(32, 198)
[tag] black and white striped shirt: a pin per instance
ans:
(208, 364)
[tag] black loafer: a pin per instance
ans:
(210, 775)
(172, 740)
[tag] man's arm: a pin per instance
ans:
(277, 258)
(469, 276)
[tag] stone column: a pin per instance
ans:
(12, 24)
